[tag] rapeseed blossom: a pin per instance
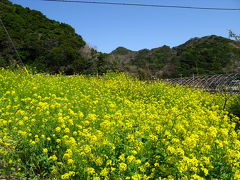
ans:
(113, 127)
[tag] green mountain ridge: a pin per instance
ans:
(207, 55)
(54, 47)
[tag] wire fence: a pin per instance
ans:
(224, 83)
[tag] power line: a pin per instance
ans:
(144, 5)
(14, 47)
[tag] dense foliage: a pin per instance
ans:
(113, 127)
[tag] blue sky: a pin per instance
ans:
(107, 27)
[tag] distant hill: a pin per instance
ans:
(206, 55)
(121, 51)
(54, 47)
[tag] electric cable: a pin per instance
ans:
(145, 5)
(14, 47)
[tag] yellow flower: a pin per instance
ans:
(147, 164)
(89, 170)
(122, 157)
(68, 175)
(92, 117)
(134, 152)
(197, 177)
(57, 129)
(66, 130)
(205, 170)
(122, 167)
(45, 150)
(70, 161)
(54, 171)
(136, 177)
(104, 172)
(138, 161)
(99, 161)
(130, 159)
(20, 123)
(96, 178)
(53, 157)
(80, 114)
(66, 156)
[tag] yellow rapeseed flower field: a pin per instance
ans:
(113, 127)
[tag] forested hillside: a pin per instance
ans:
(45, 44)
(206, 55)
